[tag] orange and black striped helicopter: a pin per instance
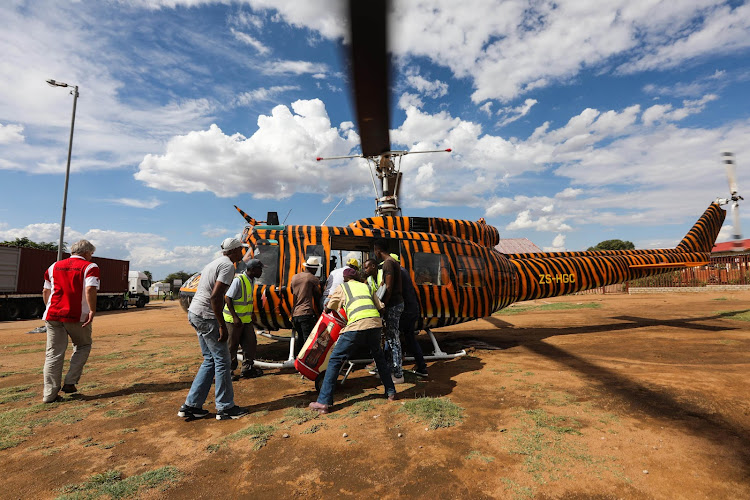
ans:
(458, 274)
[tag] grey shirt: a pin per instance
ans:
(221, 270)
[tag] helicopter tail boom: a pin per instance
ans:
(541, 275)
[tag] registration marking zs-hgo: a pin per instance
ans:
(556, 278)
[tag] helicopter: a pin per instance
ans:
(458, 274)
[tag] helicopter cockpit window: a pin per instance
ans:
(317, 251)
(430, 269)
(470, 271)
(269, 256)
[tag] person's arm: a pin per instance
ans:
(46, 292)
(217, 304)
(91, 301)
(388, 280)
(335, 300)
(316, 298)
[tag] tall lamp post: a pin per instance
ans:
(74, 92)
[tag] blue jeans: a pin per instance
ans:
(217, 365)
(348, 342)
(392, 315)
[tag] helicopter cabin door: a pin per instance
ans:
(430, 270)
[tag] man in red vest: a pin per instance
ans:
(70, 287)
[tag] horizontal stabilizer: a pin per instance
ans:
(668, 265)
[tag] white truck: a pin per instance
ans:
(138, 285)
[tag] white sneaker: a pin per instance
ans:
(399, 380)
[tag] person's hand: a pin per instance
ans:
(223, 333)
(237, 322)
(89, 318)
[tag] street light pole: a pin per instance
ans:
(67, 168)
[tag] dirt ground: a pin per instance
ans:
(619, 396)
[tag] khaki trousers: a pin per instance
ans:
(57, 343)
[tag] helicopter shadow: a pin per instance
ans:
(638, 398)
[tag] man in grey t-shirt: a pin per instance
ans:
(205, 315)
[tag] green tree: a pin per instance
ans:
(27, 243)
(150, 277)
(179, 275)
(613, 245)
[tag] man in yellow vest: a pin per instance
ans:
(238, 315)
(362, 328)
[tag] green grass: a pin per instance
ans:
(477, 455)
(118, 413)
(743, 315)
(557, 306)
(8, 374)
(549, 446)
(519, 492)
(360, 407)
(314, 428)
(436, 412)
(258, 433)
(113, 485)
(15, 393)
(720, 298)
(299, 415)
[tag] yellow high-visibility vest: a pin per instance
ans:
(374, 284)
(244, 305)
(359, 303)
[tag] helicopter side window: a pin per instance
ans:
(317, 251)
(269, 256)
(430, 269)
(470, 271)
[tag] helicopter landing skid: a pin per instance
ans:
(437, 354)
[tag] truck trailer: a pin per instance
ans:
(22, 279)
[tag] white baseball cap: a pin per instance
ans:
(231, 244)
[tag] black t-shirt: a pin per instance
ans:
(391, 267)
(411, 303)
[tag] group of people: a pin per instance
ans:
(377, 301)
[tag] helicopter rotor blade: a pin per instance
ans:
(370, 72)
(731, 172)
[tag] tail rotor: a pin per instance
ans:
(734, 199)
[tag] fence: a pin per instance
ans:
(724, 270)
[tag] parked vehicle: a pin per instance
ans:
(22, 279)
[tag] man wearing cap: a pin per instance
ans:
(238, 315)
(206, 316)
(305, 288)
(337, 277)
(363, 328)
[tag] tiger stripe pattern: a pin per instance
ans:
(475, 279)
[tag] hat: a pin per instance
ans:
(313, 261)
(253, 264)
(231, 244)
(353, 263)
(349, 272)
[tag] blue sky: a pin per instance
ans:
(571, 121)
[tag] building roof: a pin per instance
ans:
(728, 246)
(517, 245)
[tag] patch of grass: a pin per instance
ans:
(111, 355)
(436, 412)
(8, 374)
(112, 484)
(315, 428)
(728, 342)
(557, 306)
(720, 298)
(743, 315)
(519, 492)
(137, 399)
(259, 413)
(118, 413)
(128, 430)
(179, 369)
(360, 407)
(258, 433)
(27, 351)
(118, 368)
(109, 446)
(547, 444)
(15, 393)
(299, 415)
(477, 455)
(20, 344)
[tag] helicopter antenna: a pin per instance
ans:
(734, 198)
(329, 215)
(287, 216)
